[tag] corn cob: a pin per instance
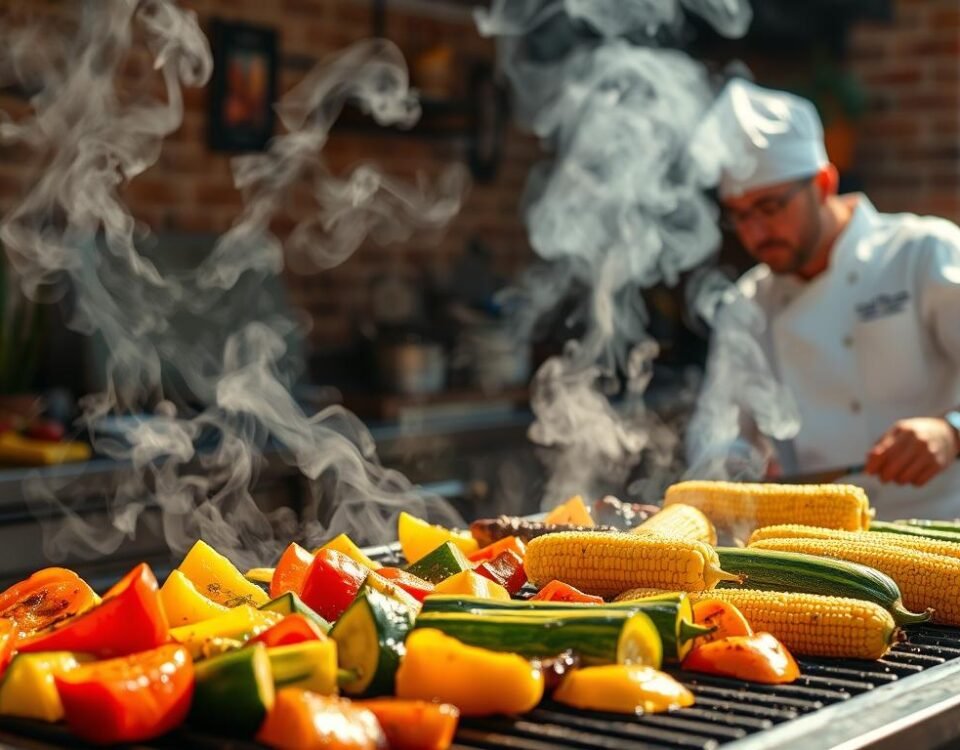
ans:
(925, 580)
(605, 564)
(916, 543)
(679, 520)
(812, 624)
(740, 507)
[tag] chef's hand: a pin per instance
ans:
(913, 451)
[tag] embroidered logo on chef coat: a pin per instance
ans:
(883, 305)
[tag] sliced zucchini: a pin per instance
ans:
(443, 562)
(291, 604)
(233, 692)
(311, 665)
(640, 642)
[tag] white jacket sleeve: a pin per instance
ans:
(938, 287)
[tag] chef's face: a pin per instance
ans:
(778, 225)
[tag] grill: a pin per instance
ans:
(910, 698)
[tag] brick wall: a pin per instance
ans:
(190, 189)
(909, 148)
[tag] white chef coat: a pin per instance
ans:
(873, 339)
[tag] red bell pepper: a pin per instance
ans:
(558, 591)
(130, 699)
(506, 569)
(512, 543)
(756, 658)
(47, 597)
(129, 619)
(332, 583)
(418, 588)
(291, 571)
(414, 725)
(291, 629)
(8, 640)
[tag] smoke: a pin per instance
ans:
(618, 208)
(73, 237)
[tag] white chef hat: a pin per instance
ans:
(768, 136)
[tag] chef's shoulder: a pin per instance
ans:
(922, 239)
(758, 284)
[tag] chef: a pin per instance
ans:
(862, 308)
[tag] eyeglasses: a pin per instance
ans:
(766, 208)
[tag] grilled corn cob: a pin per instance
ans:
(606, 564)
(925, 580)
(917, 543)
(741, 507)
(679, 520)
(811, 624)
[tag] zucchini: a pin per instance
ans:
(311, 665)
(808, 574)
(445, 561)
(930, 533)
(671, 614)
(391, 590)
(595, 637)
(233, 692)
(369, 638)
(291, 604)
(950, 526)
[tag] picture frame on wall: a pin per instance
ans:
(243, 88)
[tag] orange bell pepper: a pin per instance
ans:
(415, 725)
(291, 571)
(756, 658)
(129, 619)
(130, 699)
(47, 597)
(8, 640)
(513, 543)
(558, 591)
(725, 619)
(418, 588)
(290, 630)
(301, 720)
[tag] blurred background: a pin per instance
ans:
(413, 338)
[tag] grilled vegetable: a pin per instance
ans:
(440, 563)
(477, 681)
(724, 619)
(130, 699)
(291, 604)
(756, 658)
(392, 591)
(622, 688)
(291, 630)
(418, 588)
(917, 543)
(28, 690)
(216, 577)
(741, 507)
(512, 543)
(951, 526)
(234, 692)
(417, 538)
(506, 569)
(238, 624)
(469, 583)
(291, 571)
(414, 725)
(915, 531)
(606, 564)
(558, 591)
(924, 580)
(129, 619)
(573, 511)
(185, 605)
(302, 719)
(488, 530)
(597, 637)
(311, 665)
(811, 574)
(345, 545)
(610, 511)
(8, 639)
(815, 625)
(671, 613)
(331, 583)
(369, 638)
(45, 598)
(679, 520)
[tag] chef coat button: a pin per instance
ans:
(855, 406)
(848, 341)
(852, 277)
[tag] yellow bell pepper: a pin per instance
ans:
(259, 575)
(344, 544)
(477, 681)
(237, 624)
(574, 511)
(622, 688)
(28, 689)
(185, 605)
(468, 583)
(216, 577)
(417, 538)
